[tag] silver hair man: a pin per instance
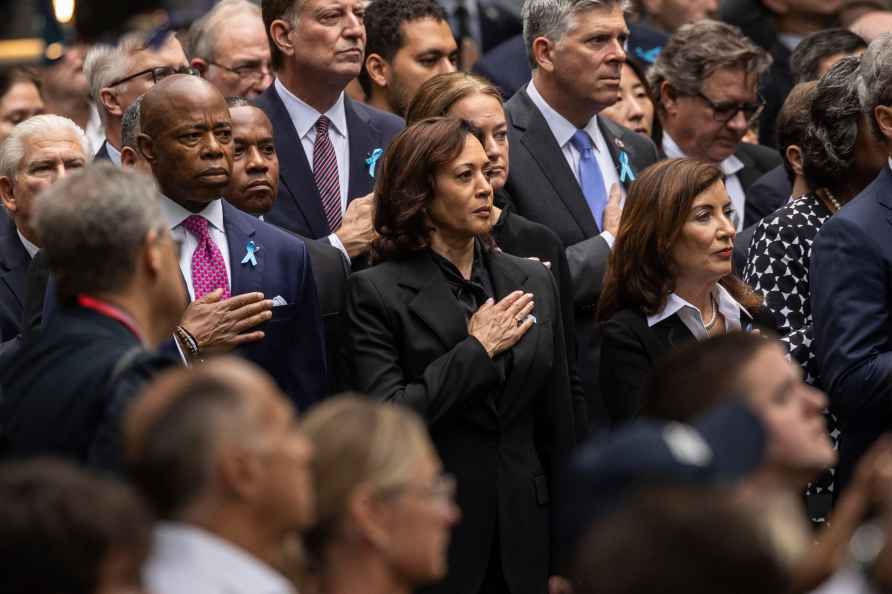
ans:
(12, 151)
(553, 18)
(875, 79)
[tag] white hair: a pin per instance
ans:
(203, 32)
(874, 83)
(12, 151)
(105, 63)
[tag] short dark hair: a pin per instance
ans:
(680, 541)
(405, 184)
(10, 75)
(383, 28)
(60, 524)
(793, 121)
(287, 10)
(695, 377)
(805, 62)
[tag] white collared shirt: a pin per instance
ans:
(692, 317)
(563, 130)
(114, 155)
(189, 559)
(730, 167)
(94, 131)
(29, 247)
(304, 119)
(213, 212)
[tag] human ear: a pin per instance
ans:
(794, 156)
(279, 32)
(883, 116)
(542, 51)
(378, 70)
(7, 194)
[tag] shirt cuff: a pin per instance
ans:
(609, 238)
(335, 242)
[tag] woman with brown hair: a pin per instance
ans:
(471, 339)
(384, 508)
(669, 279)
(19, 98)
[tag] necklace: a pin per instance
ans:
(715, 315)
(828, 196)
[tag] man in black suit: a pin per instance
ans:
(550, 179)
(705, 85)
(329, 144)
(850, 272)
(119, 295)
(38, 152)
(253, 188)
(120, 73)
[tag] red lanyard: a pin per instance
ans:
(110, 311)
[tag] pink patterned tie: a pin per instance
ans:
(325, 172)
(208, 265)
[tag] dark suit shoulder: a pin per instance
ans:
(639, 146)
(761, 157)
(388, 123)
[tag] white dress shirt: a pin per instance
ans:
(29, 247)
(304, 119)
(730, 167)
(114, 155)
(213, 212)
(563, 130)
(189, 559)
(692, 317)
(94, 131)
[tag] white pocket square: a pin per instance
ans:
(278, 300)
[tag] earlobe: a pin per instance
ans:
(542, 49)
(378, 69)
(278, 31)
(794, 156)
(110, 102)
(7, 194)
(883, 116)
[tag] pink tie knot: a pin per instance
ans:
(197, 225)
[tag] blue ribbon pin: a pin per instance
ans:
(625, 169)
(373, 158)
(650, 56)
(251, 249)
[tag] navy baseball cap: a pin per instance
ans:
(719, 448)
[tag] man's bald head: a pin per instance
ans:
(186, 138)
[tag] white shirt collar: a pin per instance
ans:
(305, 116)
(181, 547)
(693, 318)
(176, 214)
(730, 166)
(114, 155)
(560, 126)
(789, 40)
(29, 247)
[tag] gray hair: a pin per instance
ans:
(106, 63)
(697, 50)
(91, 225)
(553, 18)
(12, 151)
(203, 32)
(874, 80)
(130, 124)
(828, 149)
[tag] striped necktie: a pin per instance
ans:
(325, 173)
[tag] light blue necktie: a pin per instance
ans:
(590, 177)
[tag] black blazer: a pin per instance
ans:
(757, 161)
(298, 207)
(630, 350)
(14, 260)
(59, 387)
(850, 278)
(102, 153)
(768, 193)
(503, 438)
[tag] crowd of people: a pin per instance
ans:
(471, 296)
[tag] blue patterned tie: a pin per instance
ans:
(590, 177)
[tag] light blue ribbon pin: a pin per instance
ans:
(373, 159)
(650, 56)
(250, 250)
(625, 168)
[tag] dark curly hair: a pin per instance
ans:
(383, 27)
(406, 184)
(641, 272)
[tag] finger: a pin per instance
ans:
(242, 300)
(534, 258)
(246, 338)
(211, 297)
(519, 304)
(522, 329)
(526, 311)
(252, 309)
(509, 300)
(615, 195)
(252, 321)
(547, 264)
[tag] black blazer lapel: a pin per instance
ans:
(538, 139)
(295, 172)
(240, 230)
(363, 137)
(434, 303)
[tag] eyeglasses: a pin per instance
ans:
(442, 490)
(252, 71)
(724, 112)
(158, 73)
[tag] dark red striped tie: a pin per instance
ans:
(325, 172)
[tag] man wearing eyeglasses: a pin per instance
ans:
(705, 84)
(229, 47)
(121, 73)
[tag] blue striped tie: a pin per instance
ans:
(590, 178)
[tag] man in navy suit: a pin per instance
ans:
(327, 143)
(851, 288)
(274, 315)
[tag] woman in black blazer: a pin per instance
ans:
(669, 279)
(479, 102)
(471, 338)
